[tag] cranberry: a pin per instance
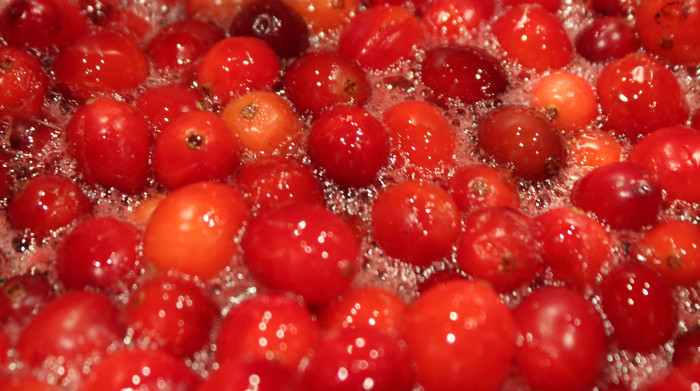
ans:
(175, 49)
(31, 135)
(236, 65)
(594, 148)
(567, 99)
(524, 139)
(415, 222)
(478, 186)
(439, 277)
(24, 383)
(607, 38)
(99, 10)
(639, 304)
(498, 245)
(365, 307)
(267, 327)
(320, 80)
(461, 336)
(100, 62)
(686, 348)
(197, 146)
(101, 252)
(381, 36)
(349, 144)
(161, 105)
(192, 229)
(146, 369)
(274, 22)
(260, 375)
(623, 195)
(320, 251)
(134, 19)
(274, 182)
(576, 247)
(358, 358)
(74, 325)
(173, 312)
(550, 5)
(614, 7)
(672, 156)
(533, 37)
(22, 296)
(23, 81)
(323, 16)
(683, 378)
(671, 247)
(455, 19)
(46, 203)
(638, 94)
(111, 142)
(467, 74)
(663, 26)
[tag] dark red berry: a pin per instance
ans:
(22, 296)
(664, 26)
(686, 348)
(607, 38)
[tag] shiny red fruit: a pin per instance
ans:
(480, 186)
(22, 296)
(23, 82)
(259, 375)
(671, 247)
(161, 105)
(607, 38)
(665, 28)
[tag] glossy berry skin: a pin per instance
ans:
(22, 296)
(197, 146)
(524, 139)
(639, 94)
(461, 336)
(607, 38)
(101, 252)
(320, 252)
(686, 348)
(74, 325)
(99, 63)
(124, 370)
(236, 65)
(575, 247)
(46, 203)
(639, 304)
(274, 22)
(534, 38)
(274, 182)
(365, 307)
(111, 142)
(455, 19)
(499, 245)
(561, 340)
(614, 7)
(569, 100)
(358, 358)
(161, 105)
(464, 73)
(415, 222)
(320, 80)
(260, 375)
(193, 228)
(672, 156)
(671, 247)
(622, 195)
(23, 82)
(593, 148)
(174, 313)
(380, 36)
(349, 144)
(663, 26)
(267, 327)
(478, 186)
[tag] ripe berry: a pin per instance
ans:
(325, 15)
(455, 19)
(664, 27)
(22, 296)
(260, 375)
(365, 307)
(23, 82)
(607, 38)
(593, 148)
(550, 5)
(161, 105)
(671, 247)
(24, 383)
(480, 186)
(686, 348)
(567, 99)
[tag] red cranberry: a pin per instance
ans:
(22, 296)
(349, 144)
(567, 99)
(415, 222)
(524, 139)
(614, 7)
(111, 142)
(672, 156)
(173, 312)
(259, 375)
(664, 26)
(134, 19)
(683, 378)
(101, 252)
(561, 340)
(324, 16)
(146, 369)
(46, 203)
(440, 277)
(607, 38)
(23, 81)
(99, 10)
(461, 336)
(686, 348)
(455, 19)
(365, 307)
(236, 65)
(274, 22)
(498, 245)
(671, 247)
(479, 186)
(533, 37)
(24, 383)
(320, 80)
(267, 327)
(161, 105)
(356, 359)
(623, 195)
(639, 94)
(320, 250)
(176, 48)
(31, 135)
(99, 63)
(381, 36)
(467, 74)
(639, 304)
(550, 5)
